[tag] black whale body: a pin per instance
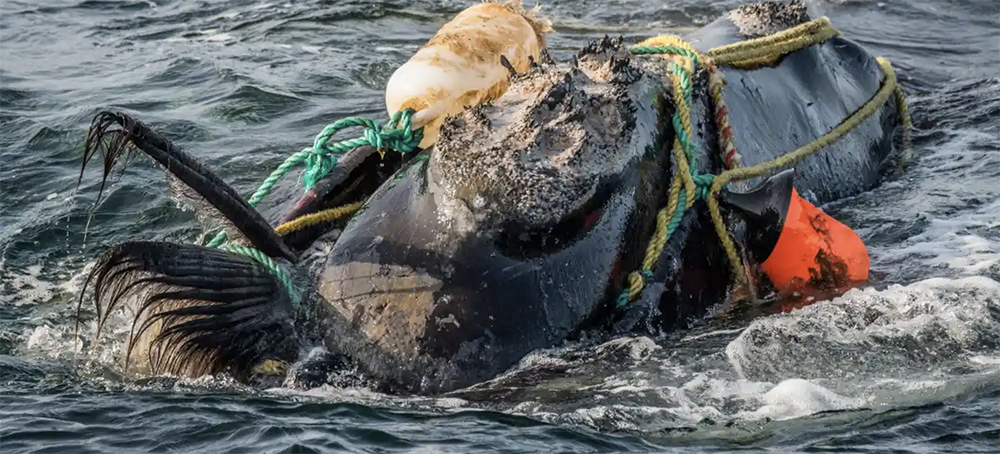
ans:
(482, 308)
(773, 110)
(437, 307)
(515, 232)
(776, 110)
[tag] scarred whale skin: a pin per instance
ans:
(433, 292)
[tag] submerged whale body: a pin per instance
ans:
(514, 231)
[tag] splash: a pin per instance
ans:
(867, 351)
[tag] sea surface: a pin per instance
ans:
(910, 364)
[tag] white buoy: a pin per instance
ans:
(460, 66)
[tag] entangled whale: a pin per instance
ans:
(632, 188)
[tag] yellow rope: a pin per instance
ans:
(678, 97)
(904, 113)
(683, 177)
(744, 54)
(656, 245)
(762, 50)
(310, 220)
(888, 87)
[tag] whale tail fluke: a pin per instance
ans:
(115, 134)
(196, 310)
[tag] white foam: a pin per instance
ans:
(870, 349)
(952, 242)
(794, 398)
(720, 332)
(52, 340)
(985, 360)
(893, 332)
(365, 396)
(31, 287)
(218, 37)
(27, 288)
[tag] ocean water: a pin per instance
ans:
(909, 364)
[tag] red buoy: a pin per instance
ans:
(815, 252)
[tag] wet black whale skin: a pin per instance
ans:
(460, 307)
(776, 110)
(426, 309)
(773, 111)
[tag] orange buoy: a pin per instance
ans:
(815, 252)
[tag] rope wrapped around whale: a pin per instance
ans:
(399, 135)
(744, 55)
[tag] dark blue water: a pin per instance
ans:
(909, 365)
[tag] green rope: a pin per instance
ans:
(703, 182)
(397, 134)
(274, 268)
(646, 273)
(689, 147)
(658, 50)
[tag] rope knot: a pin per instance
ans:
(405, 139)
(703, 183)
(682, 60)
(397, 134)
(374, 135)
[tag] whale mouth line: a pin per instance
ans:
(358, 174)
(527, 242)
